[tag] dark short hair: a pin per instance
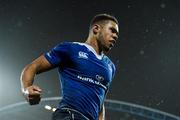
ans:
(101, 18)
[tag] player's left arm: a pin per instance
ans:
(102, 113)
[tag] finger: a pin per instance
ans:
(35, 98)
(37, 88)
(35, 93)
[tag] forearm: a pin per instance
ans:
(27, 76)
(37, 66)
(102, 113)
(31, 92)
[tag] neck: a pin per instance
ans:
(93, 42)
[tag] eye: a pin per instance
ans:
(113, 30)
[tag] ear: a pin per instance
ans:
(96, 28)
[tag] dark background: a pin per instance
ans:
(146, 54)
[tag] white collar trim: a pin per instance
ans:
(91, 49)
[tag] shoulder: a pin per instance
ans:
(107, 59)
(76, 46)
(68, 47)
(63, 46)
(109, 62)
(70, 44)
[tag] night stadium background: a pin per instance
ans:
(146, 54)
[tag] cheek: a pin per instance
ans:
(107, 37)
(108, 34)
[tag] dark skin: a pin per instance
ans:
(101, 37)
(27, 77)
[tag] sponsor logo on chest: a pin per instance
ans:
(99, 78)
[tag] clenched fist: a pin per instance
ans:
(32, 94)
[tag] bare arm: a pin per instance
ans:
(102, 113)
(32, 92)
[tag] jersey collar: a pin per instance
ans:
(92, 50)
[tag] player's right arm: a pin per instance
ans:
(49, 60)
(31, 92)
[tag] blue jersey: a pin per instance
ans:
(85, 76)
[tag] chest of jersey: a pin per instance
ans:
(85, 65)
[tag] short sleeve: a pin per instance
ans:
(57, 54)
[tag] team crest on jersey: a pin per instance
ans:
(83, 55)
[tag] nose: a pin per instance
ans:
(115, 36)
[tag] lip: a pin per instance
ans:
(112, 42)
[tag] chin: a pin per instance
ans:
(107, 49)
